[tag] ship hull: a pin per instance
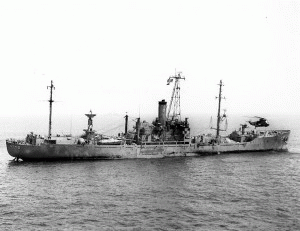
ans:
(159, 150)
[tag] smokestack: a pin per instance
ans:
(162, 112)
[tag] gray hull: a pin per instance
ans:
(75, 151)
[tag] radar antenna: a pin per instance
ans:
(90, 121)
(89, 131)
(174, 107)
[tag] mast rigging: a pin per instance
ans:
(175, 98)
(220, 118)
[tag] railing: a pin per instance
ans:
(165, 143)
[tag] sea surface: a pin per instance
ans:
(248, 191)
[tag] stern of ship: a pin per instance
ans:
(13, 148)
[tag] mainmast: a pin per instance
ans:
(50, 114)
(219, 108)
(175, 99)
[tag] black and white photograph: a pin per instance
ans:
(150, 115)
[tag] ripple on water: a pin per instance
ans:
(224, 192)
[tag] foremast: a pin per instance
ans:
(219, 109)
(50, 113)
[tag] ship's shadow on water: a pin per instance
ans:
(54, 162)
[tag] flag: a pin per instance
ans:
(170, 80)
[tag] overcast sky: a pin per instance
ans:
(116, 56)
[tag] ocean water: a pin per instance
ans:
(248, 191)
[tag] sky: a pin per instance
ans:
(116, 56)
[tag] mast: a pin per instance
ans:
(89, 131)
(126, 123)
(90, 121)
(219, 108)
(50, 114)
(138, 130)
(175, 99)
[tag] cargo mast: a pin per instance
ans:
(219, 108)
(174, 107)
(50, 114)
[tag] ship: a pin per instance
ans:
(167, 136)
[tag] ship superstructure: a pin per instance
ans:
(168, 135)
